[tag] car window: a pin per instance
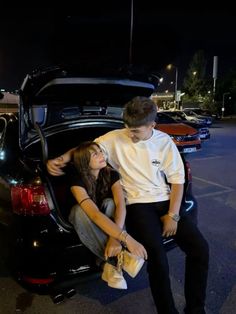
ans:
(190, 113)
(164, 118)
(182, 115)
(177, 117)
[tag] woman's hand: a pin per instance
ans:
(169, 226)
(54, 166)
(113, 248)
(135, 247)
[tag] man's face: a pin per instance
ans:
(141, 133)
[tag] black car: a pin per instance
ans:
(58, 109)
(202, 128)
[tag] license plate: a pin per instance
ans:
(189, 149)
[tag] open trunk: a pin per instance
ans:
(61, 199)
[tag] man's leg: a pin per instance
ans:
(143, 223)
(192, 242)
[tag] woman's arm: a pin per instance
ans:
(119, 200)
(113, 246)
(92, 211)
(105, 223)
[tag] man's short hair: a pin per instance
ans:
(139, 111)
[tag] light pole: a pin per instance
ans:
(131, 32)
(223, 103)
(169, 67)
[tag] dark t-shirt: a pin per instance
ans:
(76, 180)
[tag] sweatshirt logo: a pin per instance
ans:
(155, 162)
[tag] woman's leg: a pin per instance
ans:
(108, 207)
(89, 233)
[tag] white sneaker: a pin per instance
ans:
(113, 277)
(132, 264)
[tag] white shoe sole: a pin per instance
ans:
(117, 281)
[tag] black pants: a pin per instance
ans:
(143, 223)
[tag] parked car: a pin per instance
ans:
(58, 109)
(178, 116)
(191, 118)
(206, 112)
(191, 115)
(186, 138)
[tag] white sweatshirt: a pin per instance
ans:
(144, 166)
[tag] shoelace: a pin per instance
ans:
(120, 261)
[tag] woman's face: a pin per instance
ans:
(97, 158)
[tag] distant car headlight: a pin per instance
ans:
(177, 138)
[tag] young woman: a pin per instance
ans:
(99, 214)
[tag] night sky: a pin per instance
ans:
(99, 36)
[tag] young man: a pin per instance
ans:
(149, 162)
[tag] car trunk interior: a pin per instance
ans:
(58, 144)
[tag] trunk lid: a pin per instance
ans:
(57, 97)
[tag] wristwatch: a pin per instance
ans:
(175, 217)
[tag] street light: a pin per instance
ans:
(169, 67)
(223, 103)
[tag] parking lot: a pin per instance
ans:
(214, 186)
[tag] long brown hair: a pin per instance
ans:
(96, 189)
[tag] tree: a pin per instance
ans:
(195, 84)
(227, 84)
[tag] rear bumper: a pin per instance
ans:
(43, 254)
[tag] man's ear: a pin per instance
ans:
(153, 124)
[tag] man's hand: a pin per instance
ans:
(113, 248)
(169, 226)
(54, 166)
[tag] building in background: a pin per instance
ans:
(8, 102)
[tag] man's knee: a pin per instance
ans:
(204, 249)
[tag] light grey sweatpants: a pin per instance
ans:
(89, 233)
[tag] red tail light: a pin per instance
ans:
(29, 200)
(189, 173)
(37, 281)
